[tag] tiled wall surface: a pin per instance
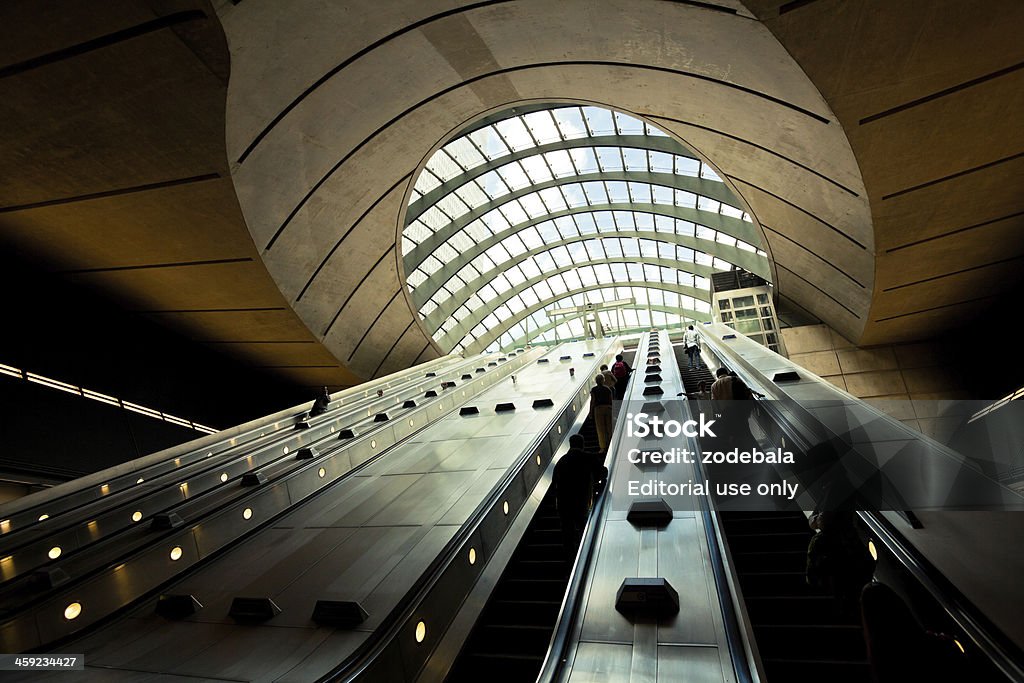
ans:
(911, 382)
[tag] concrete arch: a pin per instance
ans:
(724, 82)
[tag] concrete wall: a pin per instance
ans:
(911, 382)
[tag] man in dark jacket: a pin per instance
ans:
(574, 479)
(320, 405)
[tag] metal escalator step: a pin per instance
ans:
(536, 612)
(790, 560)
(769, 542)
(541, 569)
(789, 609)
(817, 670)
(515, 639)
(818, 641)
(776, 584)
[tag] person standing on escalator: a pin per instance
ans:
(621, 372)
(609, 379)
(733, 401)
(575, 477)
(691, 341)
(320, 405)
(601, 410)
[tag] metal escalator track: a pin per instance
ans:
(801, 632)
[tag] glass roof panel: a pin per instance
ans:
(585, 159)
(570, 122)
(489, 143)
(427, 181)
(609, 158)
(560, 163)
(492, 184)
(543, 127)
(443, 166)
(628, 125)
(515, 134)
(472, 195)
(464, 153)
(598, 255)
(514, 176)
(537, 169)
(599, 121)
(636, 159)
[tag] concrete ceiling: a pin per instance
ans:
(115, 174)
(876, 143)
(331, 112)
(931, 96)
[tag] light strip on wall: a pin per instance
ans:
(102, 398)
(998, 404)
(52, 383)
(8, 370)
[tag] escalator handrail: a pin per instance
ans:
(205, 442)
(989, 639)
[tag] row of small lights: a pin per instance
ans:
(421, 627)
(55, 552)
(102, 398)
(137, 516)
(74, 609)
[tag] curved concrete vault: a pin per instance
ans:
(326, 149)
(877, 145)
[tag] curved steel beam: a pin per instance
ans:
(735, 256)
(684, 313)
(445, 310)
(712, 221)
(712, 189)
(455, 335)
(651, 143)
(466, 291)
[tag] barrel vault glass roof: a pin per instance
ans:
(551, 208)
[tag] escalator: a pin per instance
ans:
(510, 639)
(801, 632)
